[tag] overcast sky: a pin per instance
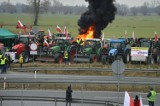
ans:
(130, 3)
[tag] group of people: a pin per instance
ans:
(151, 97)
(5, 61)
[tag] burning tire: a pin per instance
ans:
(58, 58)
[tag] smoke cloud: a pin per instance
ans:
(100, 13)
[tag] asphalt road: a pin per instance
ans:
(95, 95)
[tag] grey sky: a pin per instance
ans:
(130, 3)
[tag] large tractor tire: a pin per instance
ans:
(25, 57)
(93, 59)
(158, 59)
(72, 53)
(102, 53)
(126, 58)
(58, 58)
(104, 59)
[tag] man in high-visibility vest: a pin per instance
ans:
(2, 64)
(151, 97)
(66, 57)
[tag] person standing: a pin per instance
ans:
(69, 95)
(21, 60)
(151, 97)
(2, 64)
(66, 58)
(136, 101)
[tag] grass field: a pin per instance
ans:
(143, 26)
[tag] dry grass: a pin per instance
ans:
(56, 86)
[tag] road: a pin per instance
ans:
(95, 95)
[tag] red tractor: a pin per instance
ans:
(23, 44)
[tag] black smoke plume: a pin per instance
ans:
(100, 13)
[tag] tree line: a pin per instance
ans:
(37, 7)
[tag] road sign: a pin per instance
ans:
(33, 46)
(118, 67)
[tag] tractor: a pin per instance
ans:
(91, 51)
(118, 49)
(56, 52)
(22, 46)
(147, 51)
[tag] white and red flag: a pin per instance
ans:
(49, 34)
(128, 100)
(126, 35)
(46, 43)
(66, 32)
(155, 37)
(19, 24)
(133, 36)
(141, 103)
(59, 29)
(102, 36)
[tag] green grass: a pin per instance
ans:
(143, 26)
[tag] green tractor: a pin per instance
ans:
(91, 51)
(56, 52)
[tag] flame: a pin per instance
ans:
(88, 34)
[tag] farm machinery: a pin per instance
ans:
(56, 52)
(91, 51)
(146, 50)
(22, 46)
(118, 49)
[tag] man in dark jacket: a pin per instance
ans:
(68, 95)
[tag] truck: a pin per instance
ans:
(118, 49)
(91, 51)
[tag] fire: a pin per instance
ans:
(88, 34)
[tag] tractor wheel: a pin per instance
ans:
(72, 53)
(151, 60)
(58, 58)
(103, 59)
(126, 58)
(93, 59)
(25, 57)
(158, 59)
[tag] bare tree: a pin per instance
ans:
(45, 5)
(134, 11)
(144, 9)
(36, 7)
(157, 10)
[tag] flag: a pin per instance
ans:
(59, 29)
(102, 36)
(155, 37)
(19, 24)
(29, 36)
(133, 36)
(46, 43)
(66, 32)
(141, 103)
(19, 34)
(126, 35)
(49, 34)
(128, 100)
